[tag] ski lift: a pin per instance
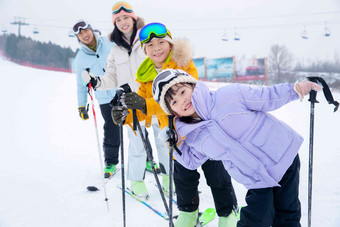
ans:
(4, 29)
(70, 34)
(327, 31)
(236, 36)
(35, 30)
(304, 34)
(224, 37)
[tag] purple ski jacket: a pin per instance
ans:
(255, 147)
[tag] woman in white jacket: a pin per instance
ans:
(121, 67)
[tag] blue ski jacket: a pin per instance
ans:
(95, 61)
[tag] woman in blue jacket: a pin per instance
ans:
(232, 124)
(92, 55)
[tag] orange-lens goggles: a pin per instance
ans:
(121, 6)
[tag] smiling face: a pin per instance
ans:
(178, 99)
(87, 37)
(158, 50)
(124, 24)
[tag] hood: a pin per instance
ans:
(86, 49)
(140, 23)
(203, 100)
(181, 52)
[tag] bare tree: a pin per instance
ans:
(280, 59)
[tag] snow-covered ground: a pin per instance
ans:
(49, 156)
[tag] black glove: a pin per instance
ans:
(135, 102)
(118, 114)
(88, 78)
(83, 112)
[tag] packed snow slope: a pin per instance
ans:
(49, 156)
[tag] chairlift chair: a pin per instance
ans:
(70, 34)
(304, 34)
(4, 29)
(236, 37)
(327, 32)
(35, 30)
(224, 37)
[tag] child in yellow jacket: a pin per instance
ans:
(163, 52)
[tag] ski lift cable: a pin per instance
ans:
(246, 27)
(337, 12)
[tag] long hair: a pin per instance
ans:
(117, 36)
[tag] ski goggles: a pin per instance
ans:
(80, 25)
(153, 30)
(165, 77)
(121, 6)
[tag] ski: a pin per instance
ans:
(106, 180)
(204, 218)
(167, 194)
(109, 175)
(128, 191)
(207, 216)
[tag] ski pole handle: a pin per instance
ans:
(312, 96)
(312, 93)
(135, 120)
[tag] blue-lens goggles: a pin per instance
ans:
(153, 30)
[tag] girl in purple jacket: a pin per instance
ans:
(232, 124)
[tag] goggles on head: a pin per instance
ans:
(121, 6)
(153, 30)
(164, 78)
(80, 25)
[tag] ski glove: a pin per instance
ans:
(118, 114)
(164, 136)
(83, 112)
(135, 102)
(304, 87)
(89, 78)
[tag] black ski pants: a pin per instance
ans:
(111, 136)
(276, 206)
(218, 179)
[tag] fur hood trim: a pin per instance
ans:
(181, 52)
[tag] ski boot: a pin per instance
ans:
(187, 219)
(165, 185)
(149, 167)
(109, 170)
(139, 189)
(230, 221)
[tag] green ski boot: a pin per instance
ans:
(149, 167)
(186, 219)
(139, 189)
(165, 185)
(109, 170)
(230, 221)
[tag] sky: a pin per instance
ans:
(259, 23)
(49, 156)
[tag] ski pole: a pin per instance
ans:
(147, 146)
(312, 99)
(148, 149)
(121, 101)
(171, 149)
(98, 143)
